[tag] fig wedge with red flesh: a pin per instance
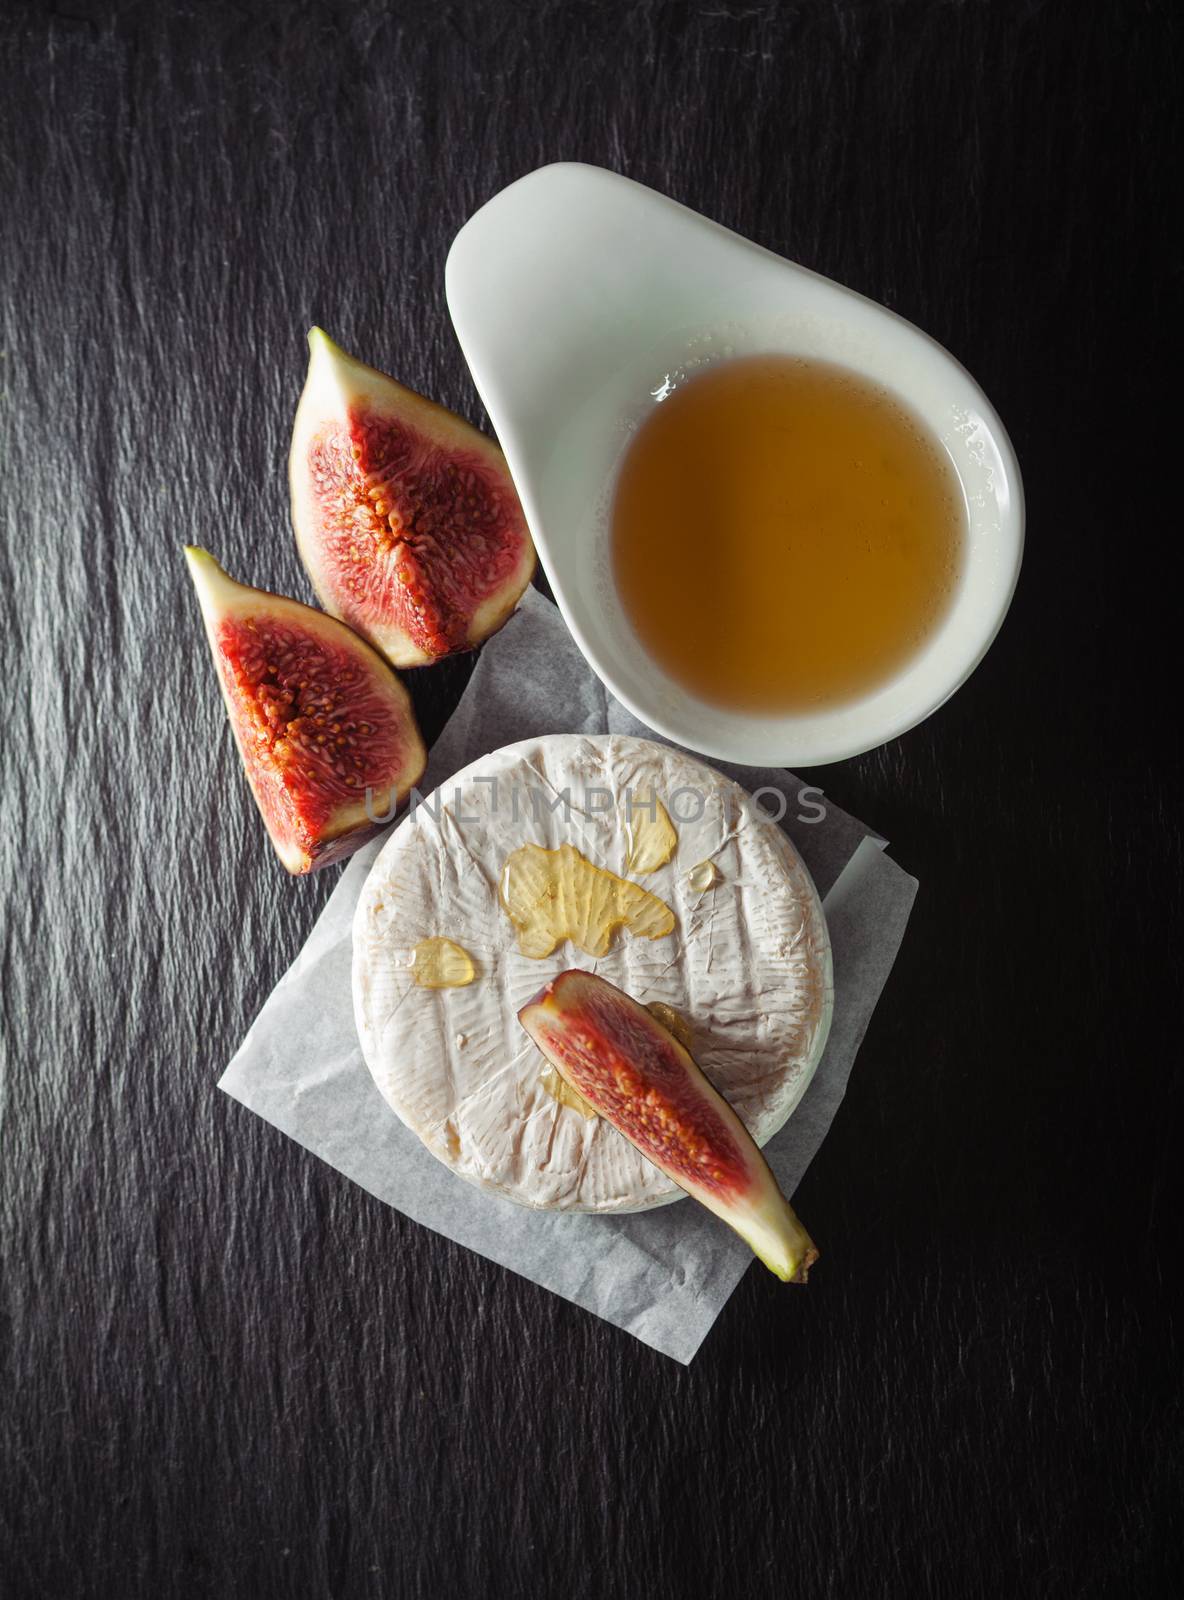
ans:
(406, 518)
(615, 1053)
(318, 716)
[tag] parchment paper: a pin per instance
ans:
(661, 1275)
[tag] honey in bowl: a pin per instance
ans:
(785, 534)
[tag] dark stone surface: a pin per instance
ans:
(229, 1373)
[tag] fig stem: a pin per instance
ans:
(780, 1241)
(804, 1248)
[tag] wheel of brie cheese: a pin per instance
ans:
(609, 853)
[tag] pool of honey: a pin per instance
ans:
(785, 534)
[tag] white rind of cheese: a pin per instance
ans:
(748, 964)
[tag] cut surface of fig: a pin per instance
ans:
(624, 1063)
(406, 518)
(319, 718)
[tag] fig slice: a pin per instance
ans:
(406, 518)
(318, 716)
(615, 1053)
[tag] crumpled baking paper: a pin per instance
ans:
(661, 1275)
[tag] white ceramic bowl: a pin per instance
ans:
(576, 295)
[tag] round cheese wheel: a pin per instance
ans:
(747, 964)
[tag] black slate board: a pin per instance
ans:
(227, 1372)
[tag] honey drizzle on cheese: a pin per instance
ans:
(705, 875)
(652, 836)
(559, 1089)
(673, 1021)
(441, 964)
(552, 895)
